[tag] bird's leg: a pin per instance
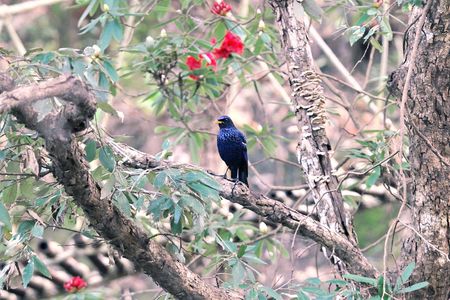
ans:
(234, 186)
(225, 175)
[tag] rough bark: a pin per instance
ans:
(309, 104)
(72, 171)
(428, 112)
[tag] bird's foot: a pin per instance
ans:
(236, 181)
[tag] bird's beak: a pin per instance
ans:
(219, 122)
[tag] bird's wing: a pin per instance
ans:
(243, 144)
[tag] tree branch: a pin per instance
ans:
(72, 171)
(272, 210)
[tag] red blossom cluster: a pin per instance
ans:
(220, 8)
(231, 44)
(194, 63)
(75, 284)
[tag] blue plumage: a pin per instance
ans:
(232, 147)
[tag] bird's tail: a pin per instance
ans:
(243, 174)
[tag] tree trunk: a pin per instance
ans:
(428, 119)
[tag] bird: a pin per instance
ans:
(232, 147)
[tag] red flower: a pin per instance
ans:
(194, 63)
(220, 8)
(231, 44)
(75, 284)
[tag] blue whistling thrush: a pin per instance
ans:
(232, 147)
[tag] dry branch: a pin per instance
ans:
(8, 10)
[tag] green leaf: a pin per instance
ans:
(27, 273)
(315, 291)
(337, 282)
(26, 188)
(9, 194)
(162, 8)
(357, 34)
(4, 217)
(372, 11)
(107, 35)
(250, 257)
(302, 296)
(178, 212)
(159, 205)
(123, 204)
(404, 276)
(160, 180)
(175, 227)
(25, 227)
(117, 30)
(414, 287)
(272, 294)
(41, 267)
(107, 159)
(314, 281)
(383, 285)
(241, 251)
(361, 279)
(194, 204)
(91, 150)
(313, 9)
(238, 273)
(372, 179)
(107, 108)
(112, 73)
(90, 8)
(205, 192)
(228, 246)
(374, 42)
(37, 230)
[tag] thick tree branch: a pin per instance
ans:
(72, 171)
(66, 87)
(273, 210)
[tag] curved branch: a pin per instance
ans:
(274, 211)
(72, 171)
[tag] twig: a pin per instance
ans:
(15, 38)
(7, 10)
(339, 66)
(361, 91)
(385, 54)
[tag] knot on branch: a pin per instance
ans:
(73, 117)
